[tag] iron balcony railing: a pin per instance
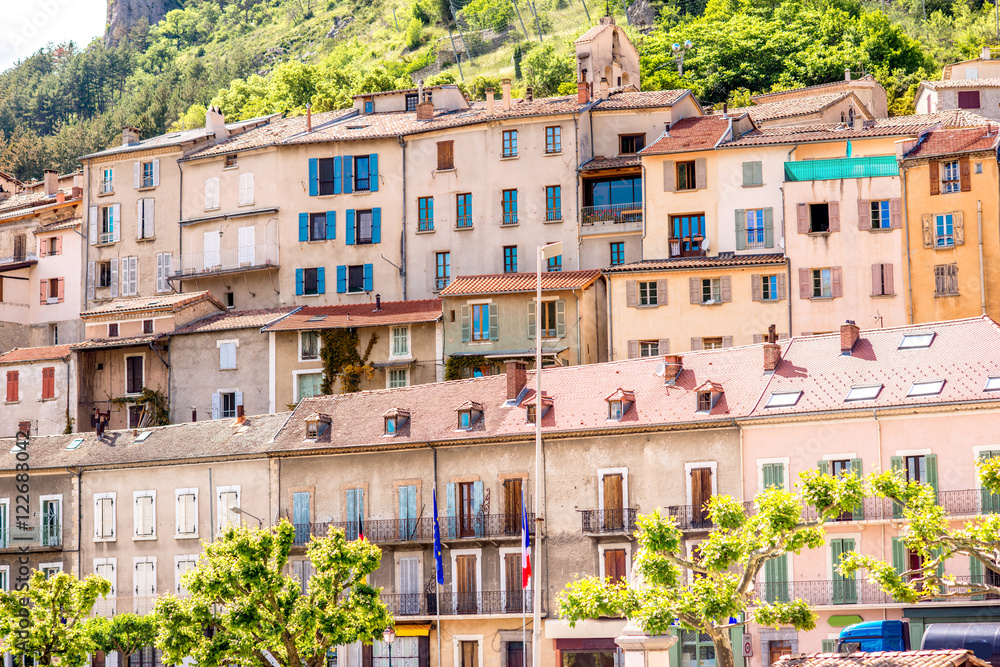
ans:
(553, 214)
(841, 168)
(463, 222)
(823, 593)
(46, 536)
(510, 218)
(611, 213)
(453, 604)
(596, 522)
(422, 530)
(228, 259)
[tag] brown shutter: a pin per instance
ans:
(613, 501)
(48, 382)
(661, 292)
(633, 349)
(804, 290)
(366, 655)
(887, 285)
(695, 343)
(424, 651)
(694, 287)
(782, 292)
(669, 176)
(836, 282)
(834, 210)
(935, 177)
(964, 174)
(756, 291)
(727, 289)
(62, 289)
(877, 279)
(609, 565)
(895, 213)
(43, 288)
(927, 224)
(939, 279)
(446, 155)
(512, 573)
(58, 250)
(631, 296)
(864, 214)
(664, 346)
(952, 278)
(700, 173)
(958, 226)
(701, 492)
(802, 211)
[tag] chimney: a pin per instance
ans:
(528, 94)
(51, 178)
(673, 365)
(849, 334)
(489, 101)
(130, 135)
(215, 122)
(607, 20)
(725, 109)
(420, 91)
(378, 302)
(847, 74)
(240, 417)
(516, 378)
(506, 94)
(604, 88)
(77, 192)
(60, 197)
(772, 351)
(309, 117)
(985, 55)
(582, 92)
(194, 413)
(425, 111)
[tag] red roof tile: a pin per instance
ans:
(22, 354)
(234, 319)
(620, 162)
(359, 315)
(697, 133)
(98, 343)
(680, 263)
(592, 33)
(962, 83)
(142, 303)
(815, 89)
(800, 106)
(938, 658)
(506, 283)
(948, 142)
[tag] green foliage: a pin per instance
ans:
(153, 402)
(545, 71)
(454, 367)
(240, 588)
(340, 356)
(414, 34)
(69, 423)
(124, 633)
(493, 15)
(55, 615)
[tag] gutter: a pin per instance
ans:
(402, 238)
(982, 277)
(226, 216)
(79, 519)
(784, 249)
(906, 230)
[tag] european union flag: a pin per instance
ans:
(437, 540)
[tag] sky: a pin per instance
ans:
(28, 25)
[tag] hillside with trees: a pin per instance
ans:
(254, 57)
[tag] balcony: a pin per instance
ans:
(230, 260)
(608, 522)
(460, 604)
(47, 537)
(397, 531)
(842, 168)
(824, 593)
(19, 260)
(611, 219)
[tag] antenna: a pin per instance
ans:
(661, 369)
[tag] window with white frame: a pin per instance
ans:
(187, 512)
(4, 522)
(51, 520)
(144, 576)
(309, 345)
(183, 565)
(106, 568)
(50, 569)
(400, 341)
(145, 515)
(107, 181)
(4, 577)
(246, 189)
(104, 517)
(399, 377)
(228, 498)
(308, 385)
(227, 354)
(211, 193)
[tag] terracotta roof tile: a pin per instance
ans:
(948, 142)
(646, 99)
(163, 302)
(359, 315)
(100, 343)
(21, 354)
(938, 658)
(680, 263)
(234, 319)
(173, 139)
(26, 203)
(591, 34)
(620, 162)
(59, 224)
(697, 133)
(505, 283)
(962, 83)
(801, 106)
(763, 97)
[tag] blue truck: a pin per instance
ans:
(983, 639)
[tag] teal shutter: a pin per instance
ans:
(561, 318)
(303, 226)
(407, 511)
(369, 277)
(466, 328)
(735, 638)
(829, 645)
(932, 472)
(348, 180)
(452, 517)
(768, 228)
(859, 511)
(299, 282)
(976, 574)
(844, 589)
(748, 174)
(352, 515)
(897, 464)
(336, 175)
(331, 225)
(341, 279)
(313, 177)
(321, 280)
(741, 222)
(301, 516)
(899, 555)
(531, 319)
(776, 579)
(774, 475)
(494, 321)
(376, 225)
(373, 173)
(990, 501)
(350, 226)
(477, 507)
(824, 467)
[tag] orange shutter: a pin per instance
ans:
(49, 382)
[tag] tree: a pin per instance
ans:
(124, 633)
(703, 590)
(929, 533)
(239, 589)
(57, 610)
(545, 71)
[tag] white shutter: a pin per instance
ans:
(145, 515)
(212, 193)
(136, 174)
(187, 512)
(91, 276)
(239, 394)
(211, 249)
(409, 581)
(139, 219)
(94, 236)
(216, 405)
(183, 566)
(104, 518)
(148, 231)
(156, 173)
(160, 273)
(228, 499)
(114, 278)
(116, 222)
(246, 246)
(130, 276)
(246, 189)
(107, 571)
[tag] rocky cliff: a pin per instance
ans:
(123, 14)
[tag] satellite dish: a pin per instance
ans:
(704, 243)
(661, 369)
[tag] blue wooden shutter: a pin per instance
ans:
(348, 180)
(351, 514)
(369, 270)
(336, 175)
(303, 227)
(452, 519)
(321, 280)
(341, 279)
(373, 172)
(313, 177)
(301, 516)
(350, 226)
(768, 228)
(331, 225)
(376, 225)
(299, 282)
(741, 225)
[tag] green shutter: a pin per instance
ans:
(859, 511)
(494, 321)
(774, 475)
(824, 467)
(768, 228)
(741, 222)
(976, 574)
(829, 646)
(844, 588)
(466, 327)
(748, 174)
(899, 555)
(990, 501)
(897, 464)
(531, 319)
(932, 472)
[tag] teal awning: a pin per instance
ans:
(848, 167)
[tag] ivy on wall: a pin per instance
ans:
(458, 367)
(341, 359)
(155, 408)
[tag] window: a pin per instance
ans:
(446, 155)
(4, 577)
(510, 259)
(104, 274)
(481, 321)
(822, 287)
(554, 263)
(686, 176)
(211, 193)
(819, 218)
(755, 228)
(398, 377)
(926, 388)
(411, 101)
(713, 343)
(916, 341)
(135, 413)
(704, 401)
(968, 99)
(13, 391)
(880, 215)
(113, 330)
(246, 195)
(951, 181)
(944, 231)
(107, 181)
(328, 176)
(130, 275)
(146, 177)
(187, 512)
(400, 341)
(356, 278)
(647, 293)
(615, 410)
(686, 235)
(309, 345)
(992, 384)
(52, 288)
(649, 348)
(48, 382)
(711, 290)
(108, 222)
(425, 222)
(630, 144)
(164, 266)
(309, 385)
(617, 253)
(363, 228)
(946, 280)
(362, 173)
(553, 202)
(863, 392)
(53, 246)
(882, 280)
(228, 498)
(183, 565)
(753, 173)
(769, 288)
(785, 399)
(510, 143)
(548, 329)
(463, 214)
(317, 227)
(147, 326)
(133, 375)
(553, 139)
(144, 519)
(311, 281)
(228, 401)
(530, 413)
(369, 105)
(510, 207)
(227, 355)
(442, 273)
(979, 167)
(50, 569)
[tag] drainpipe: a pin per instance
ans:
(878, 439)
(576, 194)
(86, 248)
(211, 508)
(909, 264)
(402, 239)
(642, 241)
(607, 297)
(784, 250)
(79, 520)
(579, 318)
(180, 231)
(982, 277)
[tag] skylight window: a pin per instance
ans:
(142, 436)
(317, 318)
(916, 341)
(784, 399)
(926, 388)
(864, 392)
(992, 384)
(75, 443)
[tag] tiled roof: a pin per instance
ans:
(800, 106)
(189, 441)
(961, 83)
(101, 343)
(504, 283)
(271, 133)
(164, 302)
(938, 658)
(59, 224)
(26, 203)
(591, 34)
(647, 99)
(763, 97)
(180, 138)
(722, 260)
(948, 142)
(21, 354)
(697, 133)
(359, 315)
(234, 319)
(962, 353)
(620, 162)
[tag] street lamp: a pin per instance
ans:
(238, 510)
(389, 636)
(679, 51)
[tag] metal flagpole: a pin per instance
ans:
(439, 575)
(524, 589)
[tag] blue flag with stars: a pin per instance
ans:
(437, 540)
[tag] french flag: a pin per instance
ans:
(525, 547)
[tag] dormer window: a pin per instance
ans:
(395, 419)
(619, 403)
(704, 401)
(469, 414)
(708, 394)
(916, 341)
(992, 384)
(316, 425)
(926, 388)
(615, 410)
(531, 410)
